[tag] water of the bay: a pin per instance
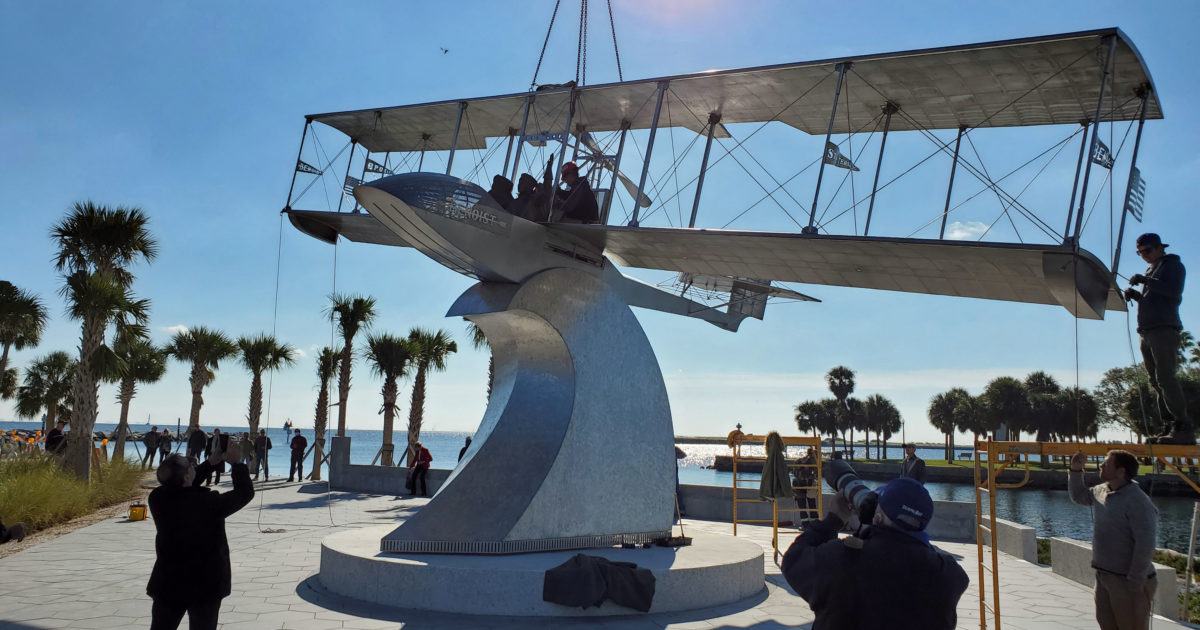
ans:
(1050, 512)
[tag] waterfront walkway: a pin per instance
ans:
(95, 577)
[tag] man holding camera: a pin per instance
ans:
(1124, 528)
(1159, 327)
(891, 577)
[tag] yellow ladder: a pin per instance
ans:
(742, 479)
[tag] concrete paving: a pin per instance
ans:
(95, 577)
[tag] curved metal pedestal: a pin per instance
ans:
(576, 447)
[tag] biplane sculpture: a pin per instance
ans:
(575, 448)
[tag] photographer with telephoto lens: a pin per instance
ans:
(888, 576)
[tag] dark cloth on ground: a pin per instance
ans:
(585, 581)
(192, 553)
(894, 581)
(578, 203)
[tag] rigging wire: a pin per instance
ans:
(616, 50)
(536, 70)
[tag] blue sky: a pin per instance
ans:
(194, 115)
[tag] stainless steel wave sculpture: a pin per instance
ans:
(576, 446)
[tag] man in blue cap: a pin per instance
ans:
(1159, 326)
(889, 577)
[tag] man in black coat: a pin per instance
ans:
(891, 577)
(196, 444)
(150, 440)
(578, 203)
(191, 569)
(299, 443)
(216, 447)
(55, 438)
(912, 466)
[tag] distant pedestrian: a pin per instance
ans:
(150, 441)
(1124, 530)
(298, 445)
(216, 447)
(421, 460)
(463, 450)
(262, 447)
(164, 445)
(804, 481)
(56, 437)
(191, 568)
(912, 466)
(196, 444)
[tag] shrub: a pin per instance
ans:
(37, 491)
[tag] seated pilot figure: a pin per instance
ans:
(501, 191)
(529, 199)
(576, 204)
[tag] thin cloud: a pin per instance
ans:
(297, 353)
(175, 330)
(969, 231)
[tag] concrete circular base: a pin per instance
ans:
(714, 570)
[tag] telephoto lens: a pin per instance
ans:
(842, 478)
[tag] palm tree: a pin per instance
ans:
(808, 417)
(883, 417)
(1041, 388)
(479, 342)
(942, 415)
(430, 350)
(22, 319)
(353, 312)
(841, 384)
(389, 356)
(1006, 403)
(327, 363)
(139, 362)
(260, 354)
(204, 348)
(96, 245)
(1187, 341)
(47, 388)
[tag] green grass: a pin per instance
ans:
(35, 490)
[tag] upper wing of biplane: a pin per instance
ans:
(1032, 81)
(1039, 274)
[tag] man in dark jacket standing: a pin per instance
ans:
(150, 441)
(578, 203)
(1159, 326)
(912, 466)
(299, 444)
(54, 439)
(191, 569)
(196, 443)
(262, 451)
(891, 577)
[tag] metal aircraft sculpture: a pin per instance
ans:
(576, 378)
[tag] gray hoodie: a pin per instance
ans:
(1125, 526)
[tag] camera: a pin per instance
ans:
(842, 478)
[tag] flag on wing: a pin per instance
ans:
(351, 182)
(835, 157)
(1135, 194)
(1101, 155)
(376, 167)
(305, 167)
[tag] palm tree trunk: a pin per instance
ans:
(416, 410)
(4, 366)
(197, 379)
(51, 416)
(344, 386)
(319, 422)
(491, 373)
(127, 385)
(390, 393)
(84, 403)
(255, 411)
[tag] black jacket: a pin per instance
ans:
(1158, 307)
(197, 441)
(914, 468)
(895, 581)
(54, 440)
(192, 553)
(579, 203)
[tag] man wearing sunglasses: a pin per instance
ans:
(1159, 326)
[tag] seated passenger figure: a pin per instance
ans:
(529, 199)
(576, 204)
(501, 191)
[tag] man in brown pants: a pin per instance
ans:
(1125, 525)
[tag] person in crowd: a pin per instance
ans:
(164, 445)
(262, 447)
(56, 437)
(421, 460)
(679, 454)
(191, 571)
(1160, 329)
(912, 466)
(803, 481)
(1124, 530)
(217, 444)
(576, 204)
(298, 446)
(463, 450)
(150, 441)
(247, 448)
(196, 444)
(888, 577)
(13, 532)
(501, 191)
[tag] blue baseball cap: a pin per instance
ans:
(907, 505)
